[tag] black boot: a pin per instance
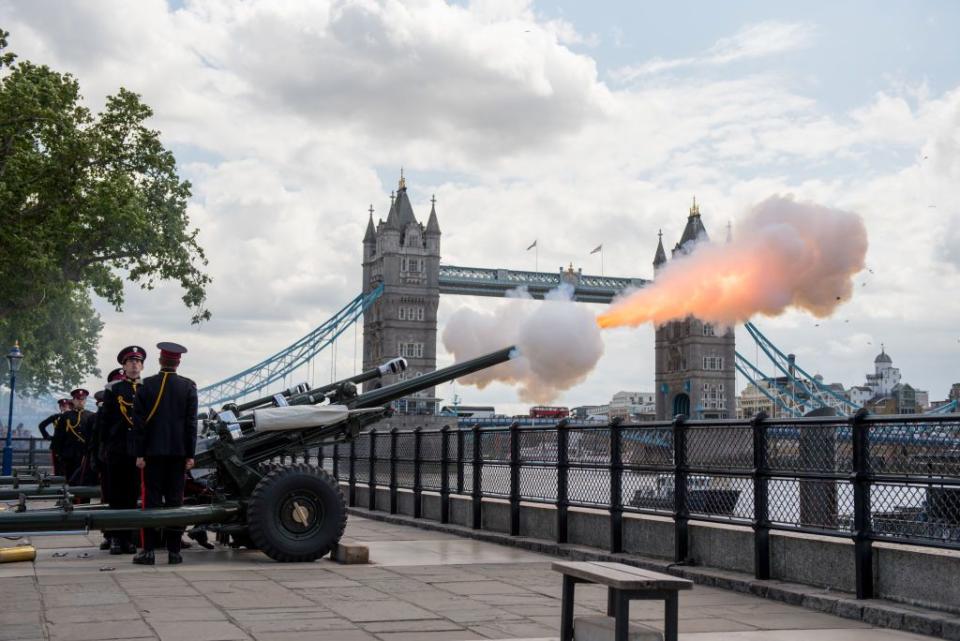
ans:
(174, 558)
(106, 544)
(115, 546)
(145, 558)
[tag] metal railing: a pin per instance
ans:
(31, 453)
(867, 478)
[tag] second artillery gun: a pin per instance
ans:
(291, 513)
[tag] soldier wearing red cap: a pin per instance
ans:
(56, 420)
(165, 437)
(120, 477)
(72, 442)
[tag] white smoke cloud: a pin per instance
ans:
(558, 343)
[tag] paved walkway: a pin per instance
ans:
(420, 586)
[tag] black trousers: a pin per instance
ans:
(121, 484)
(70, 465)
(163, 479)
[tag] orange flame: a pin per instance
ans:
(786, 254)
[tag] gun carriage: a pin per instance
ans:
(291, 513)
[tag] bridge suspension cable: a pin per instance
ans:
(796, 391)
(288, 360)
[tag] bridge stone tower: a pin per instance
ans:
(404, 256)
(694, 363)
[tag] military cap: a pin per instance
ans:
(171, 351)
(133, 351)
(63, 402)
(115, 375)
(98, 396)
(79, 394)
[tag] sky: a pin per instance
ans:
(574, 124)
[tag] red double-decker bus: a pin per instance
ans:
(548, 411)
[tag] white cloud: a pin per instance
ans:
(752, 41)
(286, 111)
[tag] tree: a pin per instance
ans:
(86, 202)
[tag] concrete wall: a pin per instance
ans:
(908, 574)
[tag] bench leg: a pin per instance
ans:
(566, 609)
(611, 602)
(670, 617)
(622, 617)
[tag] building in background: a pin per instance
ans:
(404, 256)
(695, 374)
(887, 393)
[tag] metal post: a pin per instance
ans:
(372, 476)
(761, 516)
(477, 480)
(320, 457)
(616, 487)
(863, 546)
(32, 460)
(460, 440)
(417, 489)
(680, 514)
(563, 466)
(8, 446)
(515, 479)
(352, 472)
(336, 461)
(445, 474)
(393, 470)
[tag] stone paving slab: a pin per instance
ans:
(420, 586)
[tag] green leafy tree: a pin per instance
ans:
(87, 202)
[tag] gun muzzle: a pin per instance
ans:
(393, 392)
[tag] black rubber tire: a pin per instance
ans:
(296, 513)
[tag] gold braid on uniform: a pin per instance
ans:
(156, 403)
(73, 428)
(127, 406)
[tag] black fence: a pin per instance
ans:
(869, 478)
(30, 453)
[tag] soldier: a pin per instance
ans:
(119, 477)
(63, 405)
(70, 443)
(165, 437)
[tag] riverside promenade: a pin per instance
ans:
(420, 586)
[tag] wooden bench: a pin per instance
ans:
(624, 583)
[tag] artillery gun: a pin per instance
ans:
(291, 513)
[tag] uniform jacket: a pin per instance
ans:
(72, 437)
(56, 420)
(165, 416)
(115, 421)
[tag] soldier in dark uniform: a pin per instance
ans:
(71, 442)
(119, 487)
(165, 438)
(55, 420)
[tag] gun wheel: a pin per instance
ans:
(296, 513)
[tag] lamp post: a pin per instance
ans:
(13, 359)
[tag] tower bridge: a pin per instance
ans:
(403, 278)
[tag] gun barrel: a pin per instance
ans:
(287, 393)
(390, 393)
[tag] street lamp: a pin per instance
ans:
(13, 359)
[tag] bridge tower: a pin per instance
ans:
(694, 362)
(403, 255)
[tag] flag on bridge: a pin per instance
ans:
(532, 245)
(599, 248)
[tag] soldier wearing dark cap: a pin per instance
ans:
(165, 437)
(72, 441)
(55, 420)
(119, 476)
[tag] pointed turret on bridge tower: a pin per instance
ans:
(405, 257)
(694, 369)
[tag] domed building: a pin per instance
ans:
(884, 393)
